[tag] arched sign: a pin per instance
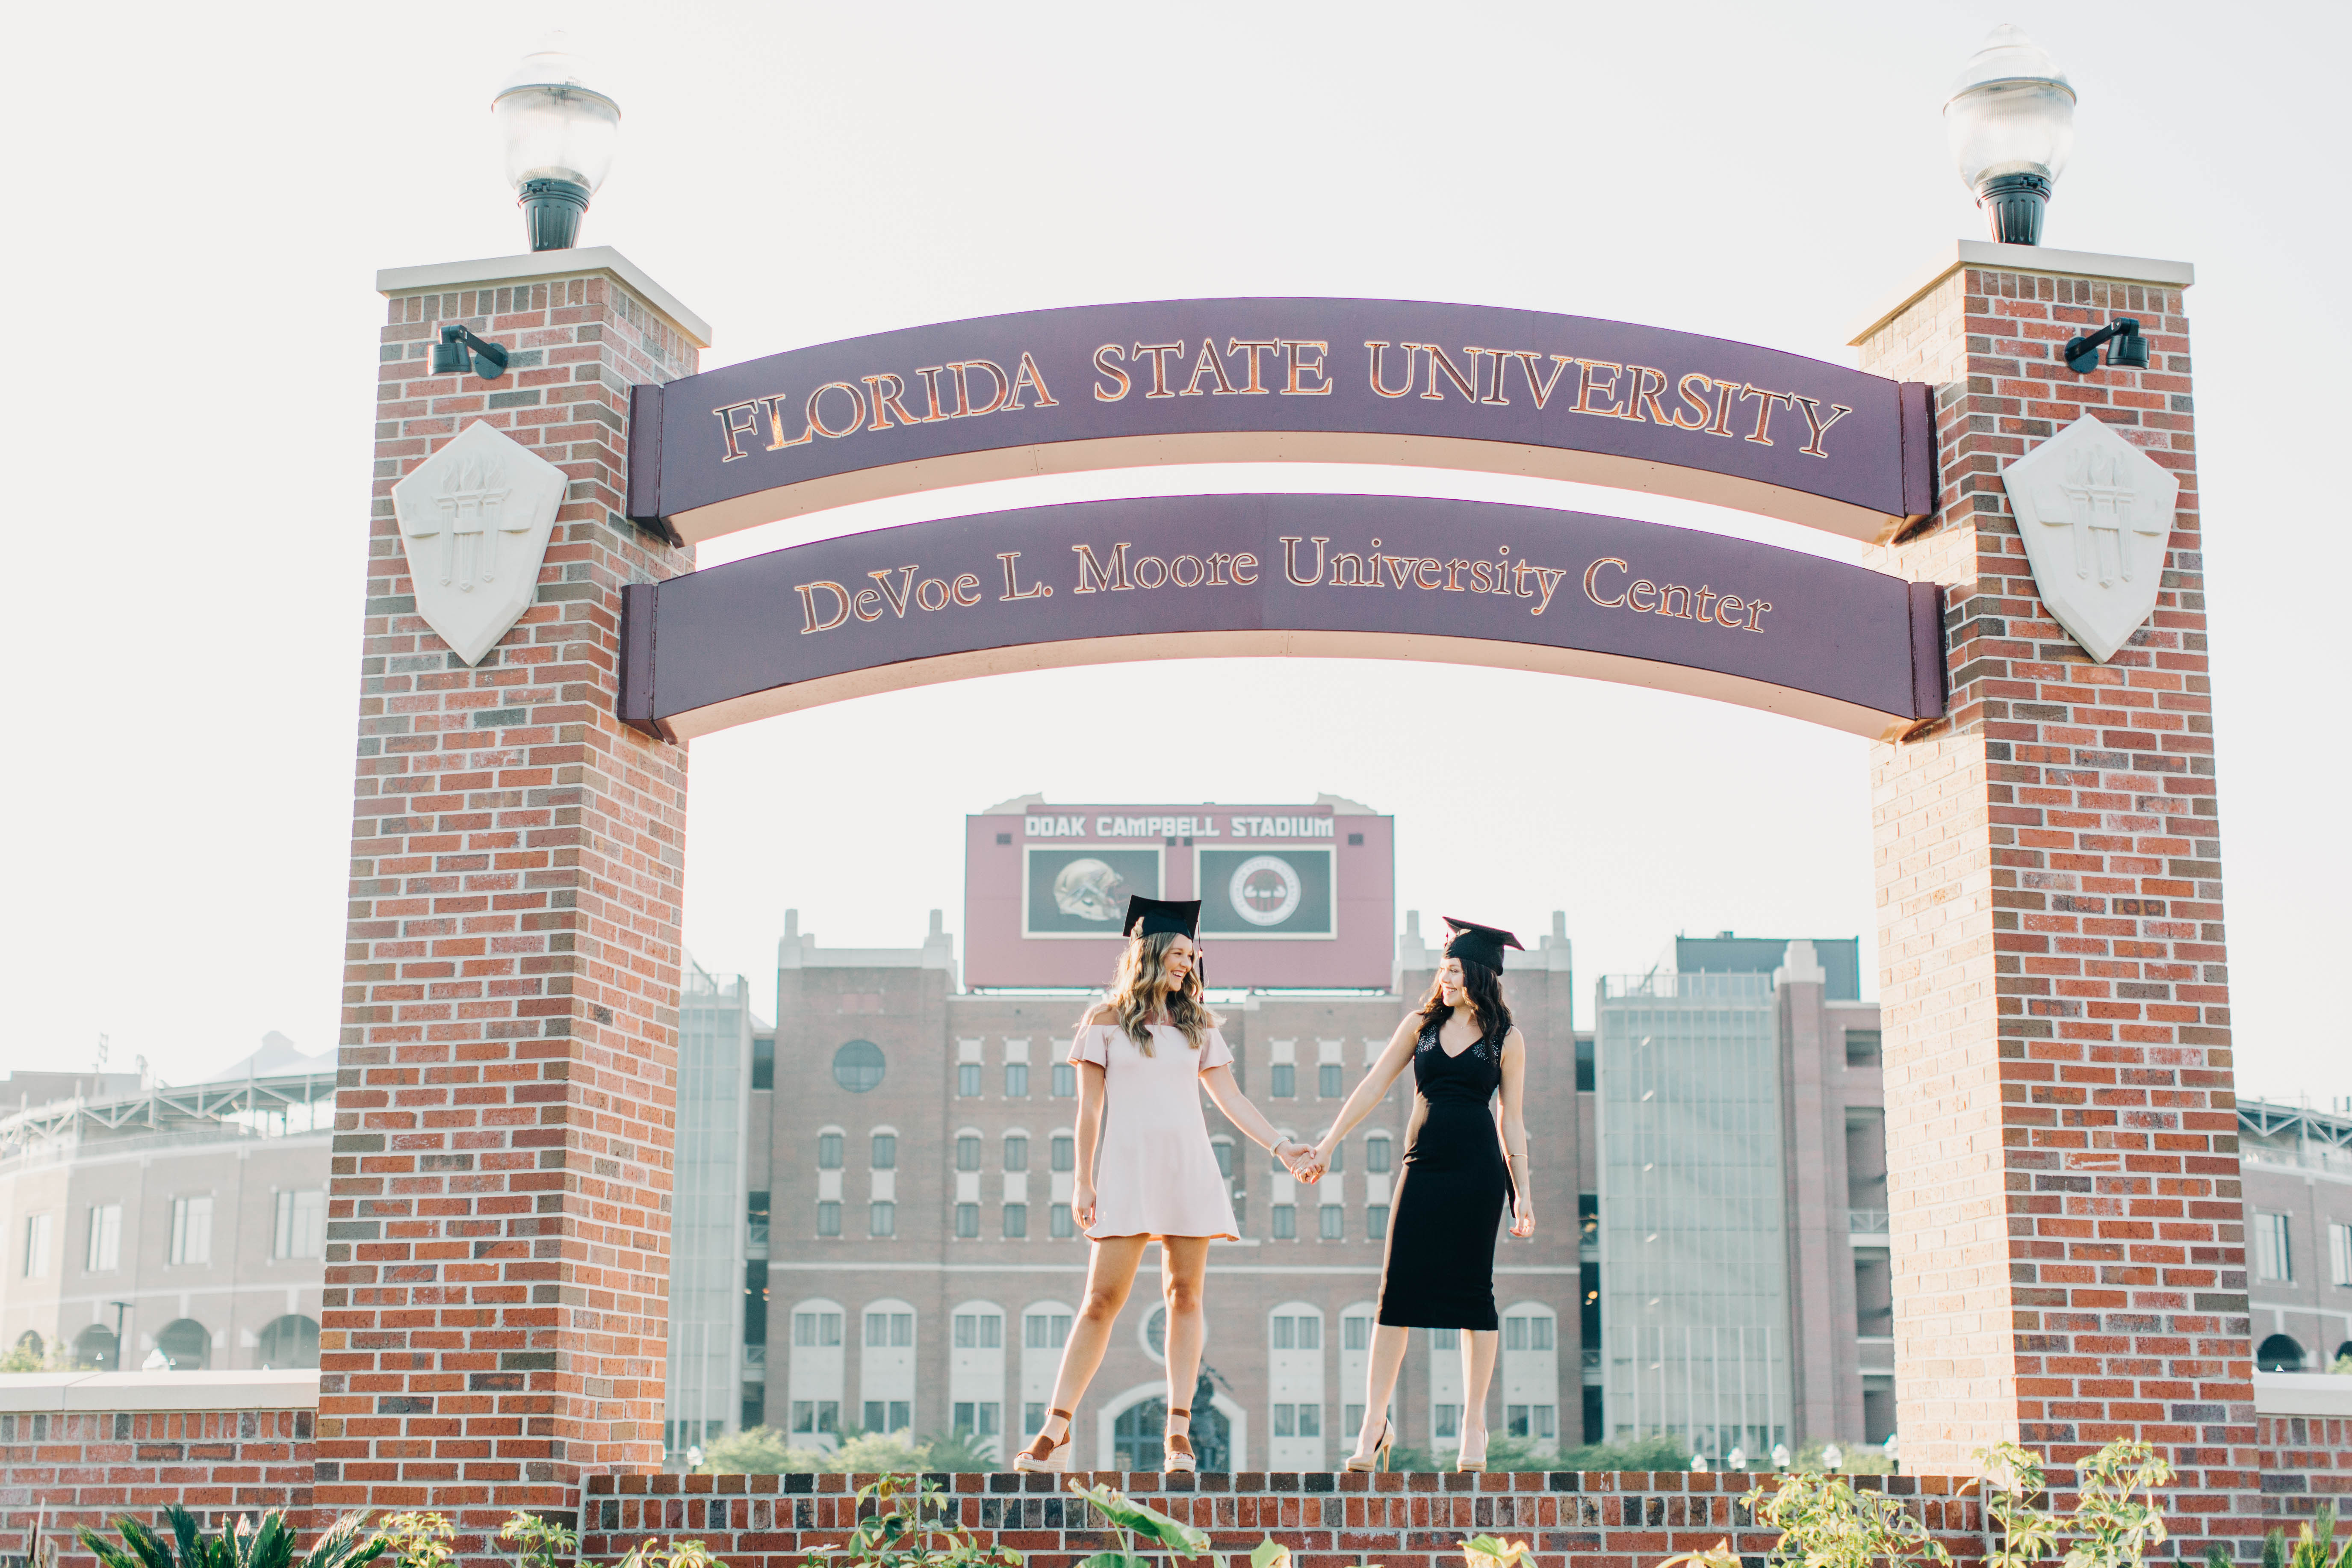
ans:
(1336, 577)
(1281, 380)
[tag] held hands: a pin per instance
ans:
(1303, 1160)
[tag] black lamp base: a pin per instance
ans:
(2012, 207)
(550, 211)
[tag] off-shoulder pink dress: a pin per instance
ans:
(1155, 1172)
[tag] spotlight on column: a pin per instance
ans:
(560, 135)
(450, 356)
(2011, 124)
(2126, 347)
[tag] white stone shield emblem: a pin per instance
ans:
(474, 518)
(2096, 514)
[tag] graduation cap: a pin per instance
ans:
(1476, 944)
(1149, 917)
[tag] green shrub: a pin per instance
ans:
(247, 1543)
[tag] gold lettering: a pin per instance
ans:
(1695, 403)
(1706, 598)
(1347, 572)
(1158, 578)
(1103, 367)
(1724, 391)
(1763, 412)
(1494, 391)
(812, 621)
(1547, 579)
(1647, 385)
(1726, 613)
(1422, 567)
(1159, 352)
(1299, 364)
(930, 375)
(1290, 543)
(966, 581)
(815, 410)
(1666, 600)
(1519, 580)
(1586, 384)
(1258, 348)
(923, 593)
(1026, 375)
(736, 421)
(1246, 562)
(963, 369)
(898, 599)
(1633, 596)
(1454, 569)
(1380, 349)
(884, 403)
(1219, 561)
(1397, 567)
(1591, 580)
(1542, 389)
(1093, 579)
(1176, 571)
(1756, 609)
(1012, 588)
(1208, 364)
(1481, 577)
(1814, 421)
(1438, 360)
(776, 442)
(864, 596)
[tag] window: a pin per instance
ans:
(857, 1066)
(301, 1230)
(1298, 1421)
(828, 1218)
(763, 1063)
(1063, 1224)
(885, 1151)
(1376, 1222)
(882, 1219)
(1301, 1331)
(1016, 1222)
(2273, 1254)
(1065, 1151)
(1584, 1077)
(1224, 1150)
(1862, 1048)
(816, 1329)
(1445, 1420)
(1536, 1421)
(1334, 1221)
(1016, 1150)
(1327, 1082)
(1376, 1153)
(977, 1418)
(105, 1249)
(2339, 1254)
(968, 1080)
(967, 1221)
(37, 1246)
(755, 1306)
(1286, 1221)
(979, 1331)
(967, 1151)
(891, 1415)
(828, 1150)
(192, 1230)
(1530, 1332)
(1046, 1330)
(1285, 1082)
(1065, 1081)
(889, 1330)
(1356, 1333)
(1017, 1087)
(755, 1219)
(816, 1415)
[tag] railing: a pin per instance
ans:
(1867, 1222)
(1667, 984)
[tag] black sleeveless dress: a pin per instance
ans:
(1439, 1269)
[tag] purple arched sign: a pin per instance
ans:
(1335, 576)
(1281, 380)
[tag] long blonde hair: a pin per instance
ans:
(1135, 993)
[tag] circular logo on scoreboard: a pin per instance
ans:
(1264, 890)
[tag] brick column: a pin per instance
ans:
(2068, 1251)
(499, 1214)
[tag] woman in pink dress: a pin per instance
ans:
(1146, 1170)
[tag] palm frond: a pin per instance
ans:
(344, 1545)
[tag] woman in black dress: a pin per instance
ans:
(1460, 1168)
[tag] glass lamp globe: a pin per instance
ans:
(558, 133)
(2009, 122)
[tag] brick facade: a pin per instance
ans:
(2068, 1239)
(496, 1261)
(60, 1470)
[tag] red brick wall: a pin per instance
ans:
(2068, 1248)
(499, 1226)
(2305, 1460)
(60, 1470)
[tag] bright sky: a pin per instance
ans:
(202, 196)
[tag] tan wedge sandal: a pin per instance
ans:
(1037, 1458)
(1177, 1459)
(1379, 1459)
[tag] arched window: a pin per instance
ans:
(30, 1342)
(828, 1148)
(186, 1343)
(976, 1373)
(815, 1374)
(94, 1350)
(886, 1362)
(857, 1066)
(2280, 1352)
(1294, 1390)
(967, 1149)
(1045, 1329)
(1016, 1150)
(1377, 1156)
(291, 1340)
(886, 1149)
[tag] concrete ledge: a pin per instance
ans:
(2302, 1394)
(490, 271)
(73, 1391)
(2021, 259)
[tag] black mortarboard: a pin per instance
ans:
(1477, 943)
(1149, 917)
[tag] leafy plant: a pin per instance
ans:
(652, 1553)
(2342, 1365)
(764, 1451)
(537, 1543)
(2312, 1544)
(418, 1539)
(1825, 1523)
(1494, 1551)
(1175, 1537)
(955, 1451)
(266, 1544)
(904, 1522)
(2115, 1521)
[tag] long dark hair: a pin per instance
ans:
(1485, 988)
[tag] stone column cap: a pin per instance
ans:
(295, 1389)
(2019, 258)
(539, 266)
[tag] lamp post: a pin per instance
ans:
(2011, 124)
(560, 134)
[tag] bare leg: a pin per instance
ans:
(1110, 1274)
(1379, 1385)
(1184, 1266)
(1478, 1348)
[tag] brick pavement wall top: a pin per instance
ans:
(2068, 1250)
(498, 1220)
